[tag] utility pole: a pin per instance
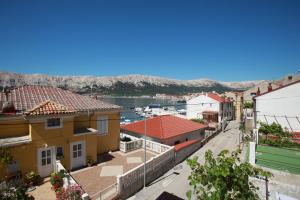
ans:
(145, 151)
(223, 120)
(267, 189)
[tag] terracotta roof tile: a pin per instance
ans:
(218, 98)
(49, 108)
(163, 127)
(28, 97)
(183, 145)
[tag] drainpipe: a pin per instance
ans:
(254, 113)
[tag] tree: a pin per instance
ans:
(248, 105)
(223, 178)
(274, 129)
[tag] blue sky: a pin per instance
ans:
(229, 40)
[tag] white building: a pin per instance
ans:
(209, 106)
(281, 105)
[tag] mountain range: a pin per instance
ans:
(127, 85)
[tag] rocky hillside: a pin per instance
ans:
(122, 85)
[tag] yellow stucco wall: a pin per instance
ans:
(110, 141)
(26, 154)
(13, 128)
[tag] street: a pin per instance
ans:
(175, 181)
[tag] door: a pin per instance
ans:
(78, 157)
(45, 161)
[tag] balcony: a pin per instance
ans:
(85, 131)
(13, 141)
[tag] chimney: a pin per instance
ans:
(258, 91)
(6, 92)
(270, 87)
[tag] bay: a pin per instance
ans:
(129, 103)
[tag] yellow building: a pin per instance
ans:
(238, 99)
(39, 125)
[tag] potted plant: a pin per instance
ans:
(89, 160)
(32, 178)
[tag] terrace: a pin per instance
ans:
(121, 173)
(104, 175)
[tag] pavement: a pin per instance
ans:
(43, 191)
(174, 184)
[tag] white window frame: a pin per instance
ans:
(53, 127)
(99, 119)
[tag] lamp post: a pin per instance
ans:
(145, 150)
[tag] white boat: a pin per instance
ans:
(138, 109)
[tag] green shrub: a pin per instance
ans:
(248, 105)
(201, 121)
(32, 178)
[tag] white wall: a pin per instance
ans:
(282, 102)
(195, 107)
(170, 141)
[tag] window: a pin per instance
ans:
(46, 157)
(102, 125)
(77, 150)
(54, 123)
(13, 166)
(59, 153)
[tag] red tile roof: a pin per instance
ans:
(218, 98)
(49, 108)
(183, 145)
(163, 127)
(26, 98)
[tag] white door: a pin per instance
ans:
(46, 161)
(78, 157)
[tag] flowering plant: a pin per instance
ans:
(73, 192)
(56, 180)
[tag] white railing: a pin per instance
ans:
(68, 180)
(130, 182)
(140, 142)
(130, 146)
(155, 146)
(107, 193)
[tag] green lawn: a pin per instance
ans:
(278, 158)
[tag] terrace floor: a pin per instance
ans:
(96, 178)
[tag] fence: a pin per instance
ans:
(68, 180)
(133, 180)
(130, 146)
(110, 192)
(155, 146)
